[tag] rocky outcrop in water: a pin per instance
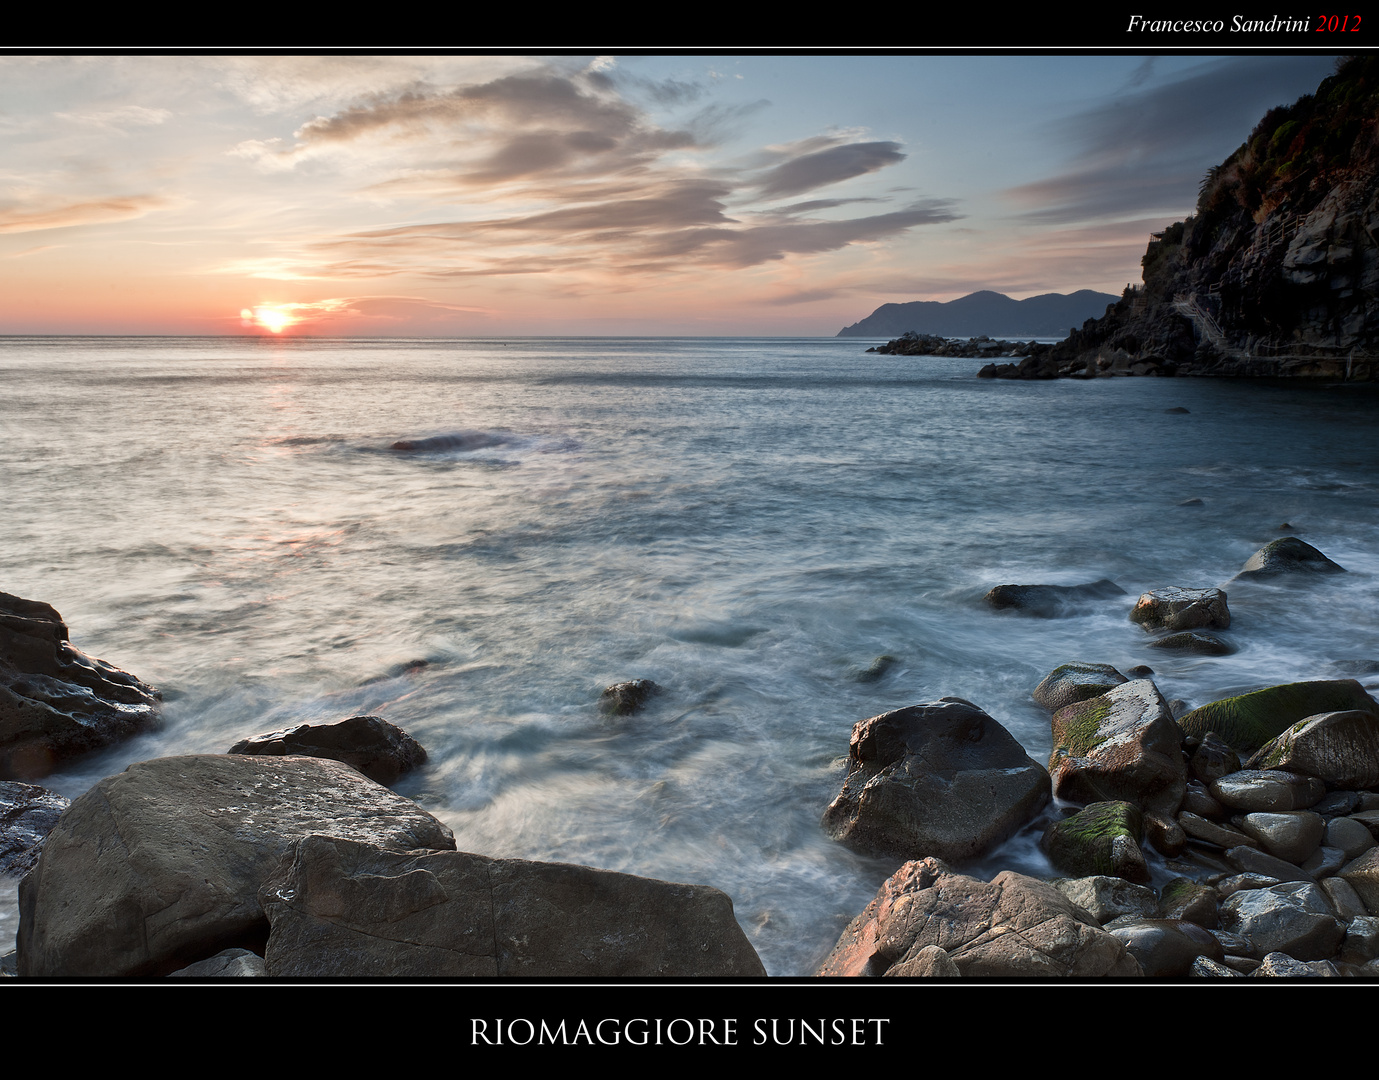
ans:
(381, 751)
(55, 701)
(1277, 272)
(941, 779)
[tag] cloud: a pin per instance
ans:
(816, 170)
(93, 212)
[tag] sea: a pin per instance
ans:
(751, 523)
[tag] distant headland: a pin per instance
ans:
(985, 312)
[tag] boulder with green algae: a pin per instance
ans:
(1288, 555)
(1103, 838)
(1121, 745)
(1248, 721)
(1341, 748)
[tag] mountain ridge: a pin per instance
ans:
(985, 312)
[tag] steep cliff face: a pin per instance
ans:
(1278, 271)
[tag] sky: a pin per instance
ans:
(500, 196)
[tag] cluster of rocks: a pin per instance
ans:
(267, 863)
(1262, 808)
(289, 857)
(914, 344)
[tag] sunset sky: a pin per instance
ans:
(506, 195)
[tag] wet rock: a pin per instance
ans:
(1291, 835)
(1193, 643)
(1251, 860)
(1210, 832)
(1182, 609)
(230, 964)
(1106, 897)
(160, 865)
(339, 908)
(1293, 917)
(1349, 837)
(1280, 965)
(1052, 601)
(1287, 555)
(1206, 968)
(1189, 901)
(1341, 748)
(55, 701)
(1167, 947)
(1248, 721)
(1324, 862)
(625, 698)
(1075, 682)
(1267, 790)
(380, 750)
(1362, 875)
(1121, 745)
(1103, 838)
(1014, 927)
(27, 814)
(1361, 940)
(941, 779)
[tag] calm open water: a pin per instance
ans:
(748, 522)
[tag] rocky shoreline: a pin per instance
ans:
(289, 856)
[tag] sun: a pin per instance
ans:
(268, 316)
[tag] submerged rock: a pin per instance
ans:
(1194, 643)
(342, 908)
(1288, 555)
(941, 779)
(1014, 927)
(160, 865)
(1248, 721)
(1051, 601)
(625, 698)
(878, 669)
(380, 750)
(55, 701)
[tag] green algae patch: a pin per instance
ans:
(1248, 721)
(1080, 727)
(1103, 838)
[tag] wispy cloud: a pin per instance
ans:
(24, 218)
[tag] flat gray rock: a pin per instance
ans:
(345, 909)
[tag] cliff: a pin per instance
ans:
(1277, 272)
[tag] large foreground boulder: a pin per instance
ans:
(1014, 927)
(161, 865)
(342, 908)
(1248, 721)
(380, 750)
(55, 701)
(941, 779)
